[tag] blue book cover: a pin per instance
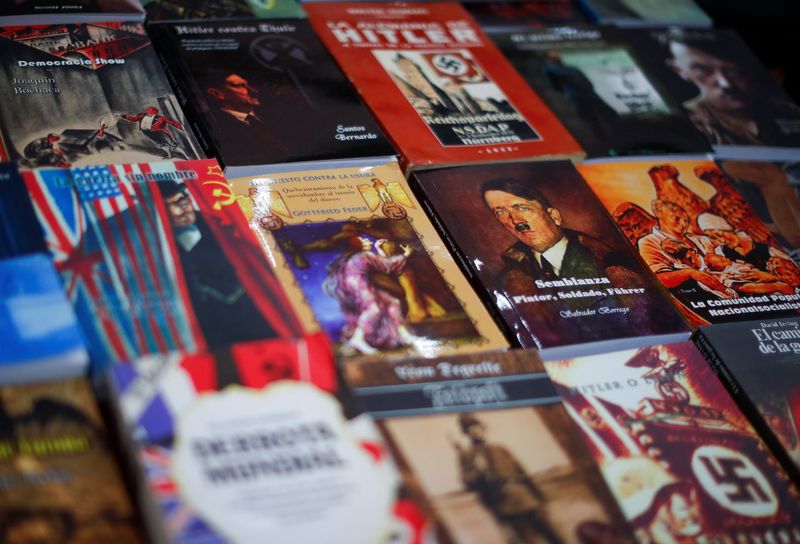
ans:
(40, 336)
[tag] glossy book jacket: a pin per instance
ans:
(544, 253)
(438, 85)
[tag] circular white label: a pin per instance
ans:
(734, 481)
(279, 465)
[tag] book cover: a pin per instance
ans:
(772, 189)
(27, 12)
(61, 482)
(438, 86)
(266, 92)
(85, 94)
(602, 91)
(647, 12)
(496, 16)
(497, 459)
(699, 237)
(358, 257)
(725, 91)
(20, 233)
(545, 254)
(41, 337)
(181, 10)
(156, 257)
(759, 363)
(680, 458)
(241, 445)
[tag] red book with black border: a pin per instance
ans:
(441, 90)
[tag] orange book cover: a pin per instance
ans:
(441, 90)
(700, 238)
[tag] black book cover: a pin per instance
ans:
(759, 363)
(724, 89)
(546, 256)
(87, 94)
(606, 95)
(267, 93)
(183, 10)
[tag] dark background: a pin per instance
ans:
(770, 28)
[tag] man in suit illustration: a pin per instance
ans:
(239, 121)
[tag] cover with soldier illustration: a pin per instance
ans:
(26, 12)
(759, 363)
(180, 10)
(85, 94)
(440, 88)
(358, 257)
(495, 458)
(266, 92)
(772, 189)
(601, 90)
(156, 257)
(546, 256)
(247, 445)
(60, 481)
(725, 91)
(700, 238)
(681, 459)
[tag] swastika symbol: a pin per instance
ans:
(450, 64)
(734, 481)
(727, 471)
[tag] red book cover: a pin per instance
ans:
(443, 92)
(682, 460)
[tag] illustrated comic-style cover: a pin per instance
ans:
(84, 94)
(61, 482)
(772, 189)
(601, 90)
(680, 458)
(547, 257)
(243, 445)
(647, 12)
(759, 363)
(37, 12)
(494, 458)
(700, 238)
(156, 257)
(725, 91)
(359, 258)
(41, 338)
(180, 10)
(20, 233)
(438, 86)
(496, 16)
(266, 92)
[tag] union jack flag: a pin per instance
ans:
(110, 246)
(180, 521)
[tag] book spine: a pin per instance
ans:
(510, 334)
(168, 56)
(746, 405)
(129, 457)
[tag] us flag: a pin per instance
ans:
(109, 244)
